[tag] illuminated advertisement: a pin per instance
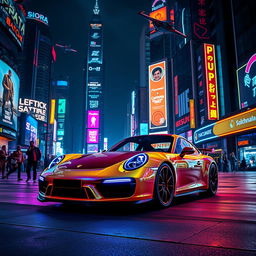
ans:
(37, 109)
(61, 106)
(105, 146)
(192, 113)
(13, 20)
(92, 136)
(160, 14)
(61, 111)
(200, 20)
(241, 122)
(246, 80)
(62, 83)
(201, 89)
(157, 96)
(92, 148)
(30, 132)
(52, 113)
(93, 119)
(182, 90)
(143, 128)
(38, 17)
(157, 4)
(9, 96)
(211, 82)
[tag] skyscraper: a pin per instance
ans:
(93, 135)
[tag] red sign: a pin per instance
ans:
(211, 82)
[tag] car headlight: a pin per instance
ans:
(56, 160)
(135, 162)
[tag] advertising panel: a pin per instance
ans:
(93, 119)
(52, 113)
(92, 148)
(160, 14)
(143, 128)
(30, 133)
(211, 82)
(246, 80)
(37, 109)
(182, 89)
(13, 20)
(241, 122)
(157, 96)
(92, 136)
(9, 96)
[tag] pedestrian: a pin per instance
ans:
(34, 155)
(16, 161)
(243, 165)
(2, 162)
(233, 161)
(225, 162)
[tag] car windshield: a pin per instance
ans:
(154, 143)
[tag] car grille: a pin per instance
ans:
(43, 186)
(70, 189)
(117, 190)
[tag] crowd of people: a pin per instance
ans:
(10, 163)
(230, 163)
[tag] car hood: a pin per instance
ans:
(97, 160)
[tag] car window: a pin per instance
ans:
(130, 146)
(163, 146)
(181, 143)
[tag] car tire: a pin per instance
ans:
(164, 186)
(212, 180)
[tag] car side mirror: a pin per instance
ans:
(187, 151)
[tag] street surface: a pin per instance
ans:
(193, 225)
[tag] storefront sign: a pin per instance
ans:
(36, 108)
(157, 96)
(238, 123)
(246, 80)
(211, 82)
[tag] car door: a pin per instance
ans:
(188, 167)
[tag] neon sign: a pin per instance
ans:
(157, 4)
(211, 82)
(246, 78)
(38, 17)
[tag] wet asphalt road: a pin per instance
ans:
(193, 225)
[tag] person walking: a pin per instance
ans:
(34, 155)
(2, 162)
(225, 162)
(233, 161)
(16, 161)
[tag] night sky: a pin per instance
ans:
(69, 24)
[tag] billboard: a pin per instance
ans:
(93, 119)
(157, 4)
(92, 136)
(211, 82)
(37, 109)
(246, 81)
(157, 95)
(9, 96)
(160, 14)
(30, 128)
(13, 20)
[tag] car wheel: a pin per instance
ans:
(213, 180)
(164, 186)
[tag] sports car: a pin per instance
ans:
(138, 169)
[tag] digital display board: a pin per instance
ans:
(246, 80)
(93, 119)
(13, 20)
(157, 96)
(62, 106)
(160, 14)
(31, 128)
(211, 82)
(9, 93)
(92, 136)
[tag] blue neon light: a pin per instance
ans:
(111, 181)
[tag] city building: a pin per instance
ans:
(94, 116)
(203, 87)
(36, 71)
(12, 32)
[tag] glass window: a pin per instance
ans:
(181, 143)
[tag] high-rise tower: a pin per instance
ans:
(94, 85)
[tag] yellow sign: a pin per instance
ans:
(52, 114)
(234, 124)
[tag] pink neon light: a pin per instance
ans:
(92, 136)
(249, 64)
(93, 119)
(156, 2)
